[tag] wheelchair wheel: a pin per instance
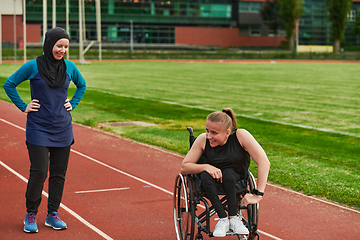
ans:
(184, 208)
(250, 213)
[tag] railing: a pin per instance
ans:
(172, 51)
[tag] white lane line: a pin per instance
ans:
(82, 220)
(103, 190)
(122, 172)
(12, 124)
(315, 199)
(269, 235)
(155, 186)
(129, 175)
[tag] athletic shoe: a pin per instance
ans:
(221, 227)
(53, 220)
(237, 226)
(30, 223)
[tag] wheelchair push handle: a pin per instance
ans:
(191, 137)
(190, 130)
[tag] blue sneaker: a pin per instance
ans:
(30, 223)
(53, 220)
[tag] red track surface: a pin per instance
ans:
(142, 207)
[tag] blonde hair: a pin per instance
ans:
(226, 117)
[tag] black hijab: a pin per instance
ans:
(51, 70)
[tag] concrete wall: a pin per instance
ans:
(11, 7)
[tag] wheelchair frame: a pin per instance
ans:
(187, 205)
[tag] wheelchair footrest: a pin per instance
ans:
(231, 233)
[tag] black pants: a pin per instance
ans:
(229, 185)
(40, 157)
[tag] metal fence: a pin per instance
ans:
(172, 51)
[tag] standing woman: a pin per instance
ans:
(227, 151)
(49, 133)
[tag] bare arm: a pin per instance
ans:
(189, 164)
(258, 155)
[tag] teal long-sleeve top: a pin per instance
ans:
(51, 125)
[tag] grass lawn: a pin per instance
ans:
(305, 115)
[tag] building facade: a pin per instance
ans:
(193, 22)
(315, 29)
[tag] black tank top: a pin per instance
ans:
(230, 155)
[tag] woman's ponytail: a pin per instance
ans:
(231, 114)
(226, 117)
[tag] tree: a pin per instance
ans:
(270, 14)
(338, 15)
(356, 26)
(290, 12)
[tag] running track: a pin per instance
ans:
(119, 189)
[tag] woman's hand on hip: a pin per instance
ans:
(67, 105)
(33, 106)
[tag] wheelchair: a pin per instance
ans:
(191, 206)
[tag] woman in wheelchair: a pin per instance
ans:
(227, 151)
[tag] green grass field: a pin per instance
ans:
(305, 115)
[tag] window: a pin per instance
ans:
(255, 30)
(215, 10)
(352, 16)
(254, 7)
(301, 22)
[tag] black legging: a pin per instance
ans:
(229, 177)
(39, 158)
